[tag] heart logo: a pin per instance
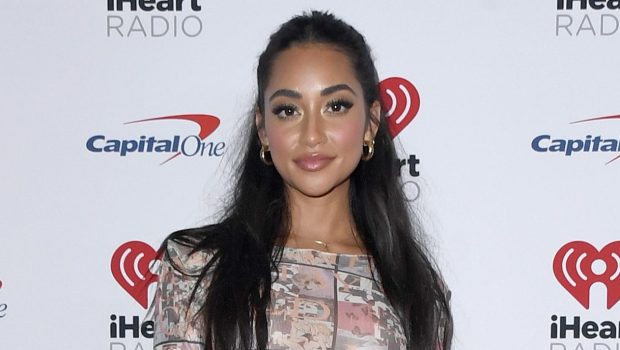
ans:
(131, 266)
(402, 102)
(578, 265)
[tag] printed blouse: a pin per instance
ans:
(321, 301)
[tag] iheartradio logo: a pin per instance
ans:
(578, 265)
(402, 101)
(133, 266)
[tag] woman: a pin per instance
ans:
(317, 248)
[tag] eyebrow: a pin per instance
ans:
(330, 90)
(327, 91)
(286, 93)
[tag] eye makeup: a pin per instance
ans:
(285, 110)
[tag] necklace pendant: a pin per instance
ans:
(321, 243)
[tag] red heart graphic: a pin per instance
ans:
(573, 268)
(130, 267)
(402, 102)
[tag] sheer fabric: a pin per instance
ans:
(320, 301)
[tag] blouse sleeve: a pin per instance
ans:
(442, 321)
(176, 327)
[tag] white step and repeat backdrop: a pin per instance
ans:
(118, 119)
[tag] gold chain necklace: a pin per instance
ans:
(323, 244)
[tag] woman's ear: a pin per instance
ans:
(259, 119)
(373, 123)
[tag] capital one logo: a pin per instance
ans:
(133, 267)
(174, 145)
(578, 265)
(584, 145)
(402, 101)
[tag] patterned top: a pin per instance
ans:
(320, 301)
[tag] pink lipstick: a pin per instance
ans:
(313, 162)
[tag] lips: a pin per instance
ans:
(313, 162)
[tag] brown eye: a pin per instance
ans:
(339, 106)
(285, 111)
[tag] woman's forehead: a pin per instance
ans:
(312, 66)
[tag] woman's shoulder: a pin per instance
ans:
(186, 251)
(184, 259)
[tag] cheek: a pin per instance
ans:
(281, 140)
(345, 137)
(349, 137)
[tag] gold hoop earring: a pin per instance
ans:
(264, 153)
(368, 149)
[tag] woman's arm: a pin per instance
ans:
(176, 325)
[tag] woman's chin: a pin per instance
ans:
(320, 189)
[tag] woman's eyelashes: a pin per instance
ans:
(285, 110)
(337, 106)
(340, 105)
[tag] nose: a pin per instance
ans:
(313, 130)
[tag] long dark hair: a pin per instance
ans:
(247, 241)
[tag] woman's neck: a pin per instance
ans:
(326, 219)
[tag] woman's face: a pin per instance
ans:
(314, 118)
